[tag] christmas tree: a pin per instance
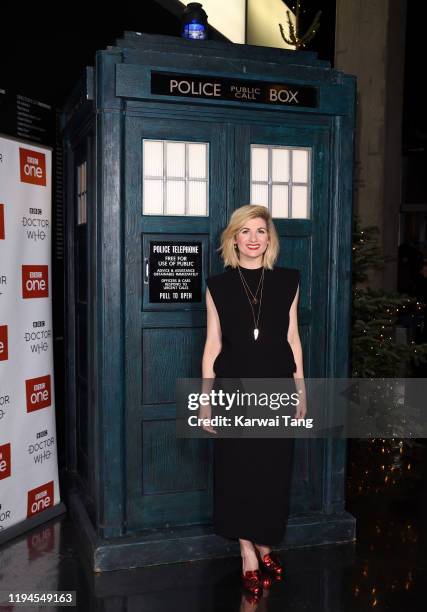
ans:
(379, 463)
(376, 350)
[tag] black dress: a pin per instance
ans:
(252, 476)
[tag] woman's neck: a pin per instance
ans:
(251, 264)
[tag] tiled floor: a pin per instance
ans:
(384, 570)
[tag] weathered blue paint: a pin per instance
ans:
(140, 494)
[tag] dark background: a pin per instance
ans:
(43, 52)
(45, 57)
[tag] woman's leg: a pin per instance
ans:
(263, 549)
(249, 558)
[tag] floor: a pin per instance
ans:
(384, 569)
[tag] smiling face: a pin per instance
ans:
(252, 240)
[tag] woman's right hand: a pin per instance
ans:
(205, 412)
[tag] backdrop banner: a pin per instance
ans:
(28, 457)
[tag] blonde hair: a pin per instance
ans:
(236, 222)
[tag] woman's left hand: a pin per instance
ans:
(301, 409)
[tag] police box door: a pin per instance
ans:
(285, 165)
(176, 198)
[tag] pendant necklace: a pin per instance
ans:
(261, 283)
(254, 297)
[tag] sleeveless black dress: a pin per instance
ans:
(252, 476)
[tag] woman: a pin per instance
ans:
(252, 332)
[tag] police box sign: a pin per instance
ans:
(175, 272)
(221, 88)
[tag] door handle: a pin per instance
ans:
(146, 271)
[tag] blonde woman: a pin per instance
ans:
(252, 332)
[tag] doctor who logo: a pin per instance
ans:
(5, 515)
(5, 403)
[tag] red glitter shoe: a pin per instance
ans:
(266, 582)
(252, 582)
(271, 564)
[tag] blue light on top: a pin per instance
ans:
(195, 30)
(194, 22)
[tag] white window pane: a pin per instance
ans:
(197, 160)
(153, 158)
(175, 197)
(84, 176)
(280, 165)
(259, 163)
(197, 200)
(300, 166)
(153, 197)
(299, 202)
(175, 159)
(259, 194)
(279, 201)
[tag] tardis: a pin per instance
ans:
(163, 139)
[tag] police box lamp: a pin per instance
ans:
(194, 22)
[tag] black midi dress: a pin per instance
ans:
(252, 476)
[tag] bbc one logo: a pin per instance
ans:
(35, 282)
(3, 343)
(33, 167)
(40, 499)
(4, 461)
(2, 232)
(38, 392)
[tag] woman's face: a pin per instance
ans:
(252, 238)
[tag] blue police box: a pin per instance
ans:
(163, 139)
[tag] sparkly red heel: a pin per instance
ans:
(252, 582)
(271, 564)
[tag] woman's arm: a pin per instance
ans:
(212, 349)
(295, 343)
(213, 342)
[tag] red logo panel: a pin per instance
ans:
(3, 343)
(5, 461)
(40, 499)
(38, 393)
(2, 232)
(33, 167)
(35, 283)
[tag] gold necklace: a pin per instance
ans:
(254, 297)
(256, 329)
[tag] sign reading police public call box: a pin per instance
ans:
(175, 272)
(221, 88)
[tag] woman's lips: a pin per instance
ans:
(253, 248)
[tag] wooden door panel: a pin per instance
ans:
(170, 479)
(305, 245)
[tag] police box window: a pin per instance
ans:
(175, 178)
(280, 180)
